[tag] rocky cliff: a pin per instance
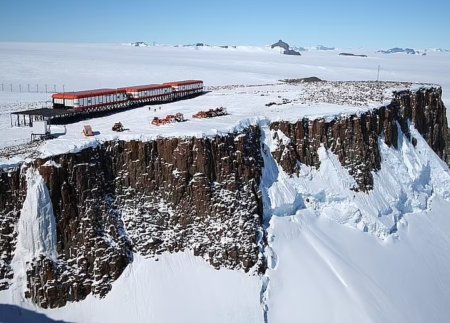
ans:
(354, 138)
(12, 194)
(198, 194)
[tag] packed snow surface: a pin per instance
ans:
(334, 255)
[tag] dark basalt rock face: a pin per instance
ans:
(427, 111)
(170, 194)
(197, 194)
(13, 188)
(354, 138)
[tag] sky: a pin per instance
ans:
(351, 23)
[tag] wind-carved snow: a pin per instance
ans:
(36, 229)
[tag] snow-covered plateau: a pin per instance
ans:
(316, 202)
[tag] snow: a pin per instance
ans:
(332, 273)
(334, 255)
(175, 288)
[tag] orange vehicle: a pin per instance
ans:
(211, 113)
(200, 115)
(170, 118)
(156, 121)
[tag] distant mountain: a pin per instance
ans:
(287, 50)
(197, 45)
(299, 49)
(321, 47)
(396, 50)
(139, 44)
(281, 44)
(437, 50)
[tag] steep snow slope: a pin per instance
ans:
(327, 272)
(323, 271)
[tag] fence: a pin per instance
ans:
(31, 88)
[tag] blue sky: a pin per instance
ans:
(371, 24)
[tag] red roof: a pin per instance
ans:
(86, 94)
(187, 82)
(138, 88)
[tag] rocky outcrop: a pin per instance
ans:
(198, 194)
(396, 50)
(352, 55)
(12, 194)
(287, 50)
(354, 138)
(426, 110)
